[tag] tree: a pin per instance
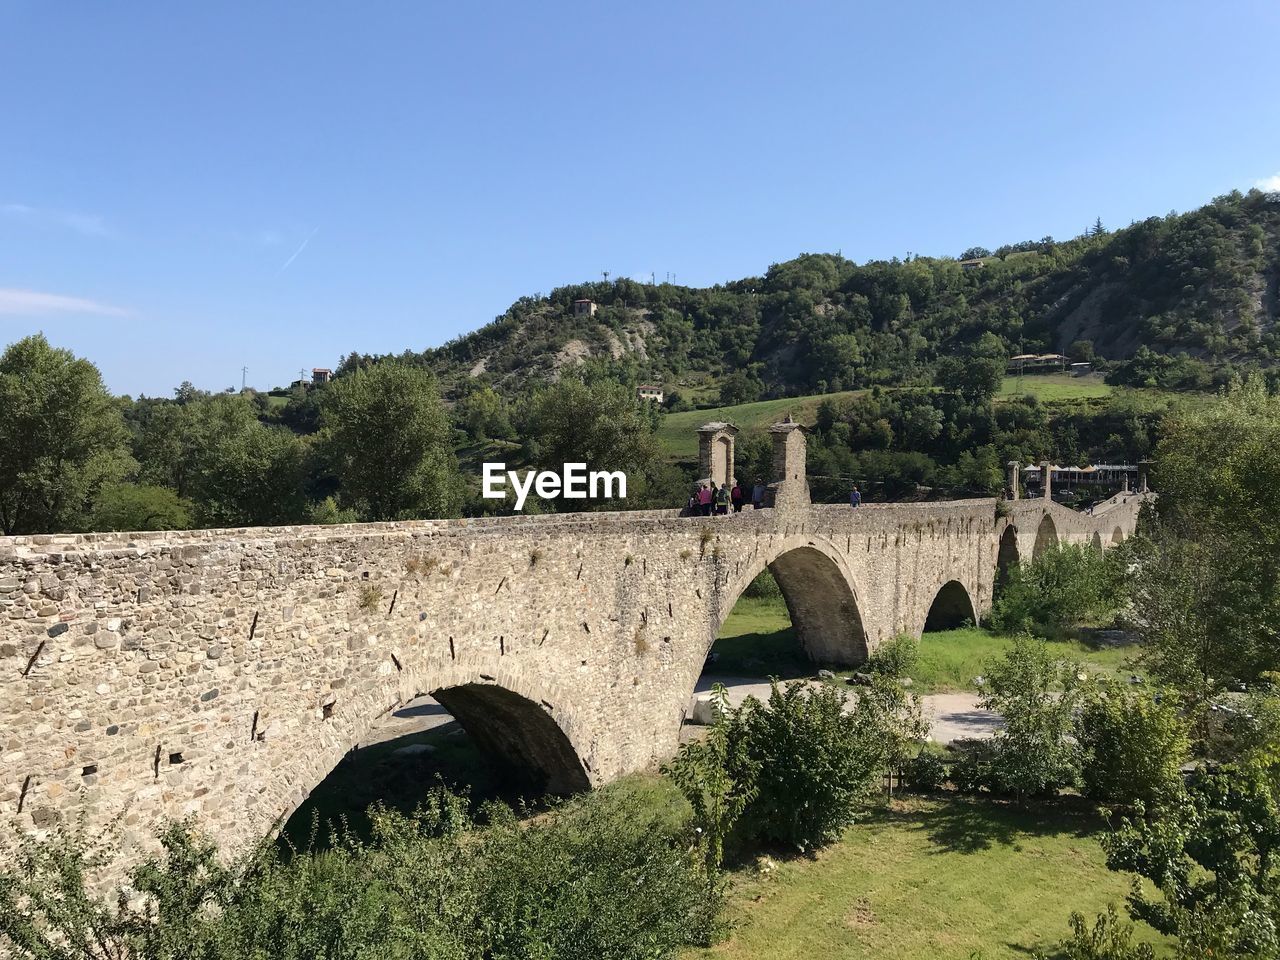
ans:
(139, 506)
(1066, 585)
(62, 437)
(740, 386)
(387, 437)
(1037, 697)
(1083, 350)
(1133, 746)
(977, 379)
(1207, 590)
(215, 452)
(602, 424)
(1211, 860)
(483, 414)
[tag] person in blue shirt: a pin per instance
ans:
(855, 497)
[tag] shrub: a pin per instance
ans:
(817, 764)
(602, 877)
(973, 769)
(1132, 748)
(598, 878)
(1110, 938)
(1037, 697)
(1066, 585)
(926, 772)
(763, 587)
(370, 596)
(718, 778)
(896, 657)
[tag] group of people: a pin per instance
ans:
(707, 499)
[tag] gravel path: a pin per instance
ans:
(952, 716)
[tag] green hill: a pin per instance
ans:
(1175, 301)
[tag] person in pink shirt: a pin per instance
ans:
(704, 500)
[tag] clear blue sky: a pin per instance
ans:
(188, 188)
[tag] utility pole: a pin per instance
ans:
(605, 274)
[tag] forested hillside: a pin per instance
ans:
(1171, 301)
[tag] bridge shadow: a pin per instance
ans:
(425, 709)
(764, 652)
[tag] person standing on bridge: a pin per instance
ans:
(855, 497)
(736, 496)
(704, 499)
(722, 499)
(757, 495)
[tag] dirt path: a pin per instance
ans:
(952, 716)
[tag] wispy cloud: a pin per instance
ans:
(1269, 184)
(35, 303)
(85, 224)
(302, 247)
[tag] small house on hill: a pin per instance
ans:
(584, 308)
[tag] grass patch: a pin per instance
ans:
(1056, 386)
(757, 640)
(939, 878)
(678, 432)
(951, 659)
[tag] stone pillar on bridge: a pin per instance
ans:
(1144, 474)
(1013, 467)
(1046, 479)
(790, 481)
(715, 453)
(1124, 482)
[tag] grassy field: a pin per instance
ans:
(1056, 386)
(757, 640)
(944, 879)
(678, 430)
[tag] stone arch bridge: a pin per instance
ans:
(224, 673)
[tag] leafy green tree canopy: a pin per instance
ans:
(61, 437)
(388, 440)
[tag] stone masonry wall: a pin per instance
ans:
(222, 674)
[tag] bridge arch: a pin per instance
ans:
(951, 608)
(528, 731)
(519, 732)
(1117, 535)
(1097, 540)
(821, 597)
(1046, 536)
(1008, 556)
